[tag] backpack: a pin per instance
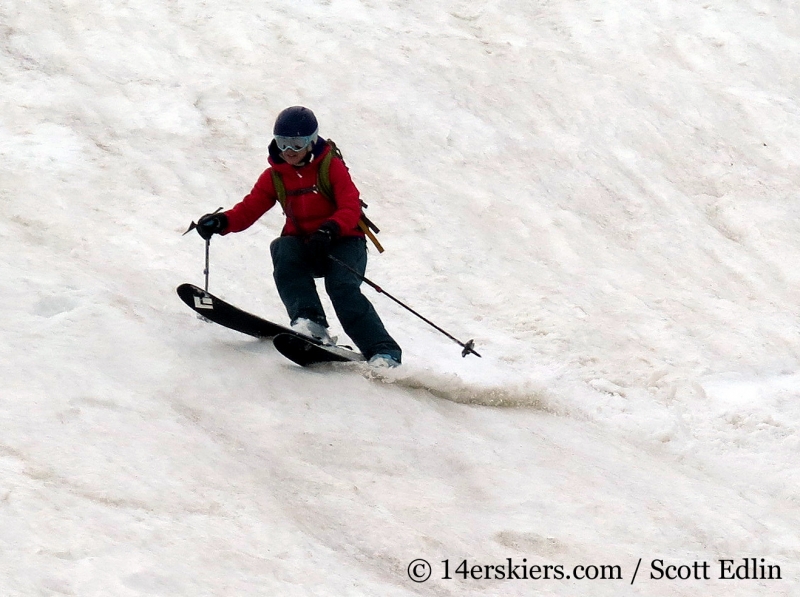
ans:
(325, 189)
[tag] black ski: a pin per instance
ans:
(216, 310)
(306, 352)
(299, 348)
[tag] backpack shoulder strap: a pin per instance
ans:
(324, 176)
(280, 188)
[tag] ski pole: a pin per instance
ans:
(205, 271)
(192, 226)
(468, 347)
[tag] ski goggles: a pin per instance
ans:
(294, 143)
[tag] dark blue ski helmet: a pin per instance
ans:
(296, 121)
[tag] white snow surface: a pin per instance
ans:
(603, 194)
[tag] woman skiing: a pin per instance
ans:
(316, 229)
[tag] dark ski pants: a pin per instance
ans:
(294, 277)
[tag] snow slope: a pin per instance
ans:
(604, 197)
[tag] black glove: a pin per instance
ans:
(319, 244)
(211, 224)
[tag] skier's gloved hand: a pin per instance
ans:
(319, 244)
(211, 224)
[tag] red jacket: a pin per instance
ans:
(308, 209)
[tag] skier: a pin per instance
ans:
(315, 229)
